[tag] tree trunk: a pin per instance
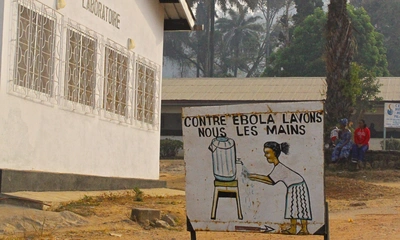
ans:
(211, 39)
(268, 29)
(339, 53)
(208, 40)
(287, 34)
(236, 60)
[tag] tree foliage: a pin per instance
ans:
(270, 10)
(198, 49)
(169, 148)
(305, 56)
(384, 16)
(305, 8)
(240, 36)
(370, 51)
(365, 89)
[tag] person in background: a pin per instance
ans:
(350, 127)
(372, 130)
(334, 136)
(344, 145)
(361, 142)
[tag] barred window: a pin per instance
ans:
(81, 59)
(116, 91)
(145, 93)
(35, 47)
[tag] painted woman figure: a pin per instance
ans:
(298, 205)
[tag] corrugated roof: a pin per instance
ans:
(390, 89)
(260, 89)
(244, 89)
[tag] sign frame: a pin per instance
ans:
(391, 119)
(220, 126)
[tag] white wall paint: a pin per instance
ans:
(35, 136)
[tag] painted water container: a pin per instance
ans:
(223, 151)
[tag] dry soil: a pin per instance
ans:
(362, 205)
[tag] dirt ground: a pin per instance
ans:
(362, 205)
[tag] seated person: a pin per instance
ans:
(344, 144)
(361, 142)
(334, 135)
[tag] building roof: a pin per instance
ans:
(260, 89)
(390, 89)
(177, 15)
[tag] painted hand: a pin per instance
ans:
(245, 172)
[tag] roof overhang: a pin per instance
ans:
(178, 16)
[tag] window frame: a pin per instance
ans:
(82, 84)
(145, 113)
(30, 86)
(119, 52)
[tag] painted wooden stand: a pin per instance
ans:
(227, 190)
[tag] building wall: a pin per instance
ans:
(47, 132)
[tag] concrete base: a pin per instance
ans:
(21, 202)
(143, 215)
(14, 181)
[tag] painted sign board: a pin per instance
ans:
(255, 167)
(392, 115)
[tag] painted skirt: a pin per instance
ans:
(298, 202)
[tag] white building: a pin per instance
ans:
(80, 85)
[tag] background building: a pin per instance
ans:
(187, 92)
(80, 86)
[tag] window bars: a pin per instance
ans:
(117, 94)
(66, 64)
(35, 34)
(146, 91)
(82, 69)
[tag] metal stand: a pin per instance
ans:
(326, 235)
(1, 179)
(193, 235)
(189, 227)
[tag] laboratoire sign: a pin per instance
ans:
(255, 167)
(102, 11)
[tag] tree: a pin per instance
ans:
(206, 52)
(210, 28)
(305, 8)
(285, 24)
(339, 54)
(304, 57)
(370, 51)
(365, 91)
(270, 9)
(236, 31)
(188, 49)
(384, 16)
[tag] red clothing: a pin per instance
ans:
(362, 136)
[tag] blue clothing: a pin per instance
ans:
(359, 152)
(343, 147)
